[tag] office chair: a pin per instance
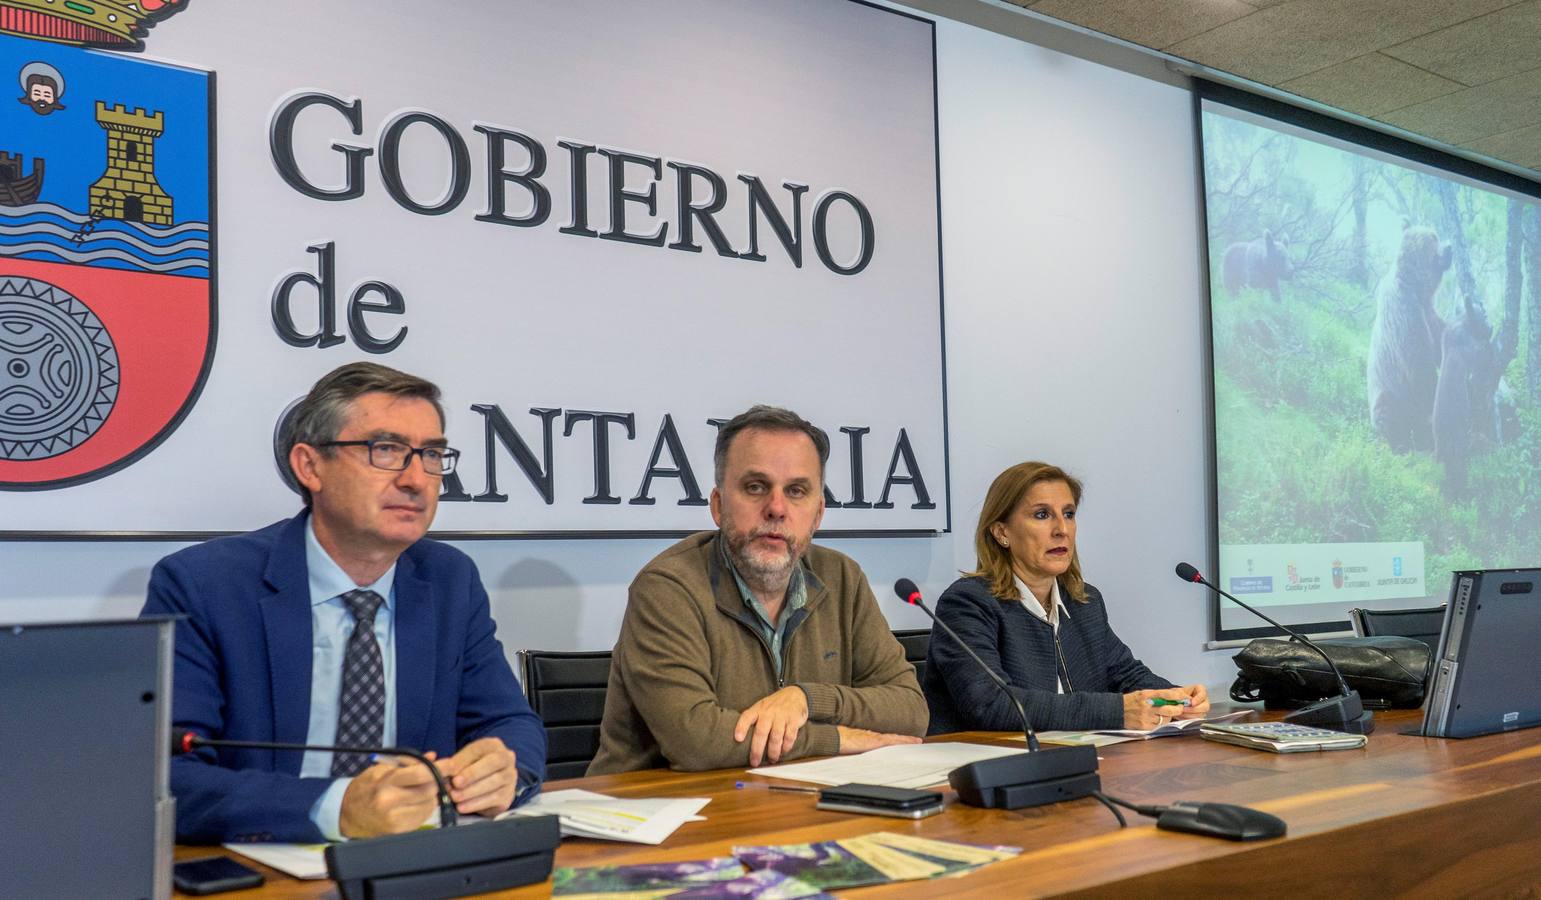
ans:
(567, 690)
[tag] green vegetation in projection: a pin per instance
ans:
(1377, 348)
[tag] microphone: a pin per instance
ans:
(419, 865)
(1026, 779)
(1344, 712)
(910, 594)
(184, 741)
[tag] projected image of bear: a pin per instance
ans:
(1259, 264)
(58, 370)
(1405, 342)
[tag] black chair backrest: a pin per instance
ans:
(1423, 624)
(915, 641)
(567, 691)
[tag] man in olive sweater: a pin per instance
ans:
(747, 644)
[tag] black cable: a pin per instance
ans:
(1151, 811)
(1103, 799)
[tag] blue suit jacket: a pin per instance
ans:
(243, 664)
(1022, 649)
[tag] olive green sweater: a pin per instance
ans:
(689, 660)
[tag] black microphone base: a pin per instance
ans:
(446, 862)
(1028, 779)
(1345, 713)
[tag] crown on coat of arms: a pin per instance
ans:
(109, 24)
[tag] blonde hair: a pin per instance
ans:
(994, 561)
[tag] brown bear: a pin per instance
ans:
(1405, 342)
(1259, 264)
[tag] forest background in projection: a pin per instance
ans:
(1377, 338)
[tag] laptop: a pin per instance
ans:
(1484, 665)
(85, 738)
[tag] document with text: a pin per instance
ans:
(904, 766)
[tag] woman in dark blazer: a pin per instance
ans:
(1028, 614)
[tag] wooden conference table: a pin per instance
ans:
(1406, 815)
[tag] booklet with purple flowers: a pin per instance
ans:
(785, 871)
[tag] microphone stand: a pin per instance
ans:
(427, 864)
(1023, 780)
(1344, 712)
(190, 740)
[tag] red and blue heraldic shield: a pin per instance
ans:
(107, 300)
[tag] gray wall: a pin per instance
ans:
(1075, 329)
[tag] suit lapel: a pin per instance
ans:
(286, 623)
(416, 642)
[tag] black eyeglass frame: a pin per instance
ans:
(448, 456)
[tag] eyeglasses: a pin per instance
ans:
(394, 456)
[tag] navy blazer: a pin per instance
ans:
(243, 665)
(1020, 647)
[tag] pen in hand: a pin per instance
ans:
(1162, 701)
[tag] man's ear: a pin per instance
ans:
(304, 462)
(716, 505)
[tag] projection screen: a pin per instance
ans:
(1376, 325)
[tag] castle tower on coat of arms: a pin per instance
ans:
(128, 189)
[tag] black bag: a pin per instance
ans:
(1388, 672)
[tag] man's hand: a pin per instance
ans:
(387, 798)
(776, 719)
(1140, 714)
(482, 777)
(860, 740)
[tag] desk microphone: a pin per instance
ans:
(425, 864)
(1024, 779)
(1344, 712)
(183, 741)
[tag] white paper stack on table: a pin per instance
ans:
(903, 766)
(587, 814)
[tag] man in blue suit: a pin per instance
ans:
(274, 644)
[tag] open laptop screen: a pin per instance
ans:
(85, 722)
(1484, 668)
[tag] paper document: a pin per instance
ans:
(298, 860)
(1172, 728)
(587, 814)
(1103, 736)
(903, 766)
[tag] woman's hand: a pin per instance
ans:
(1140, 714)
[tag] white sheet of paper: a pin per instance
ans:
(903, 766)
(299, 860)
(587, 814)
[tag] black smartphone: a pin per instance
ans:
(213, 875)
(877, 800)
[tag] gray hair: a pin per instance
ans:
(318, 418)
(768, 418)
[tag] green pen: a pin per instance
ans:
(1162, 701)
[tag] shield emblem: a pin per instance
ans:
(107, 288)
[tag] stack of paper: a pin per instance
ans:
(902, 766)
(591, 815)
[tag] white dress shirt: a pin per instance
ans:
(331, 624)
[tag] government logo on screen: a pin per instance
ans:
(107, 290)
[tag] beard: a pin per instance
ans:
(763, 570)
(43, 107)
